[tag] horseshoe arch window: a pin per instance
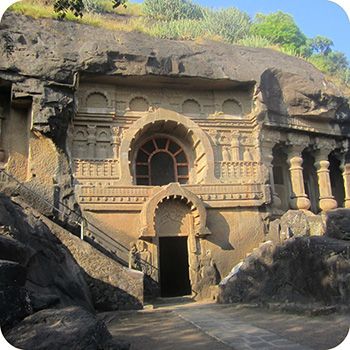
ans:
(159, 161)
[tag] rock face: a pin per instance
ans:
(49, 274)
(302, 271)
(68, 328)
(14, 302)
(43, 57)
(46, 297)
(45, 266)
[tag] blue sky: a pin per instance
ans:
(314, 17)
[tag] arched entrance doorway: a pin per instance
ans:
(159, 161)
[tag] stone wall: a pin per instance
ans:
(112, 286)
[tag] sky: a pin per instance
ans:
(314, 17)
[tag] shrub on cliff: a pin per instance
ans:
(172, 9)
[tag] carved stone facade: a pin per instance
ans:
(191, 180)
(159, 164)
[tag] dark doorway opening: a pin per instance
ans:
(337, 180)
(173, 261)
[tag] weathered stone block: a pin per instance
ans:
(337, 223)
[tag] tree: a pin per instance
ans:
(77, 7)
(281, 29)
(321, 44)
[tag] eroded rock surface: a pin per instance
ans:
(305, 270)
(68, 328)
(49, 274)
(42, 58)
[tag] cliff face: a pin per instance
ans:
(43, 57)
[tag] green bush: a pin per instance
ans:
(171, 9)
(230, 23)
(255, 41)
(182, 29)
(281, 29)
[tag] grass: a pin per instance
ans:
(44, 9)
(135, 21)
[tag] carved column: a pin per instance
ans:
(235, 146)
(115, 131)
(299, 198)
(346, 177)
(327, 201)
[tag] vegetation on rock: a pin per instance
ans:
(186, 20)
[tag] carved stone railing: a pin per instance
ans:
(233, 171)
(96, 169)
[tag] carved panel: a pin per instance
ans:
(138, 104)
(231, 107)
(172, 218)
(241, 171)
(191, 106)
(96, 169)
(97, 100)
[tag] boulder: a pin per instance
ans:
(15, 303)
(68, 328)
(46, 268)
(297, 223)
(305, 270)
(338, 223)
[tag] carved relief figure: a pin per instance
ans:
(140, 258)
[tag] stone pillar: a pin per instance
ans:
(324, 148)
(327, 201)
(346, 177)
(299, 198)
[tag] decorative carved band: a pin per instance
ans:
(92, 169)
(216, 195)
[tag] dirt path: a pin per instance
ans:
(212, 326)
(161, 330)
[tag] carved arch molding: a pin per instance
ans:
(173, 190)
(189, 130)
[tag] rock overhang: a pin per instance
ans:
(57, 52)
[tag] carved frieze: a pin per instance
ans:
(218, 195)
